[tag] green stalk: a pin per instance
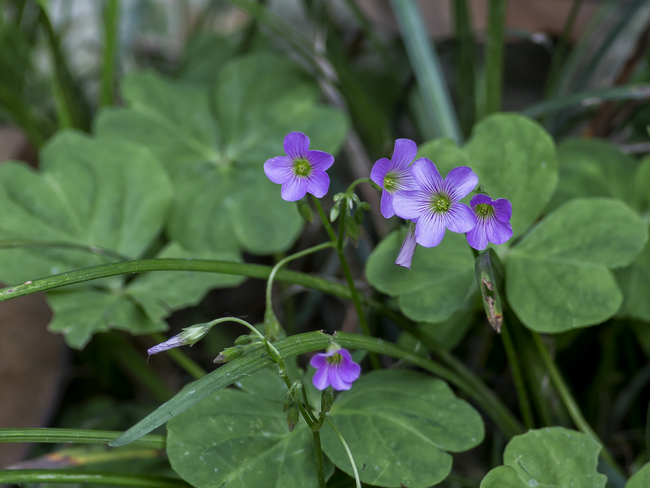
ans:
(182, 359)
(428, 70)
(172, 264)
(517, 377)
(19, 476)
(253, 361)
(111, 17)
(357, 481)
(288, 259)
(320, 465)
(568, 400)
(354, 294)
(76, 436)
(494, 55)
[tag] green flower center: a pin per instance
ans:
(390, 183)
(301, 167)
(484, 210)
(335, 359)
(440, 203)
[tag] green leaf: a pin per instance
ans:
(559, 276)
(438, 283)
(448, 334)
(400, 426)
(205, 55)
(635, 283)
(553, 457)
(593, 168)
(515, 158)
(241, 439)
(503, 477)
(214, 142)
(89, 193)
(642, 184)
(80, 314)
(445, 154)
(641, 478)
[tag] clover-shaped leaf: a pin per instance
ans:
(213, 144)
(418, 419)
(558, 276)
(552, 457)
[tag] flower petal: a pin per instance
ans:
(460, 181)
(502, 209)
(321, 378)
(296, 145)
(477, 237)
(279, 169)
(294, 189)
(335, 379)
(427, 176)
(379, 170)
(407, 250)
(320, 160)
(411, 204)
(460, 218)
(498, 232)
(318, 182)
(405, 180)
(318, 360)
(480, 198)
(405, 152)
(429, 230)
(387, 204)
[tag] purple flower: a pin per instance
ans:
(407, 250)
(336, 368)
(435, 205)
(189, 336)
(395, 175)
(492, 221)
(301, 171)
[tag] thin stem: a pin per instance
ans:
(111, 16)
(326, 221)
(172, 264)
(288, 259)
(346, 271)
(19, 476)
(494, 56)
(76, 436)
(517, 377)
(182, 359)
(347, 449)
(320, 469)
(568, 400)
(358, 182)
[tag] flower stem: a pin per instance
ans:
(20, 476)
(320, 465)
(282, 262)
(347, 449)
(374, 360)
(76, 436)
(568, 400)
(182, 359)
(358, 182)
(517, 377)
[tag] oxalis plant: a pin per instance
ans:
(502, 238)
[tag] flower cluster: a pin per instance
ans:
(417, 192)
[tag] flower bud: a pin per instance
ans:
(327, 400)
(272, 327)
(229, 354)
(305, 211)
(243, 340)
(293, 416)
(189, 336)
